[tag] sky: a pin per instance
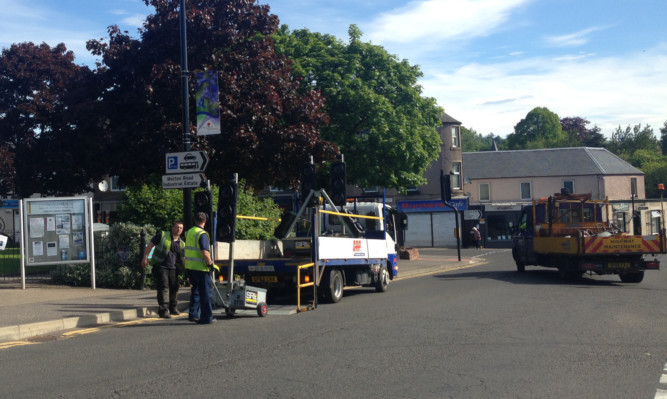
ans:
(486, 62)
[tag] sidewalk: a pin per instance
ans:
(42, 309)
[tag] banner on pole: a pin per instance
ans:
(208, 103)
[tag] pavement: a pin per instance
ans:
(46, 309)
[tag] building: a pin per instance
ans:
(501, 182)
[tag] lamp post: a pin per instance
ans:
(187, 192)
(661, 188)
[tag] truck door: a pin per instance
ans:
(523, 240)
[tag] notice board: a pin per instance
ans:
(57, 230)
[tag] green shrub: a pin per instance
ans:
(117, 260)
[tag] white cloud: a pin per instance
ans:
(573, 39)
(609, 91)
(435, 20)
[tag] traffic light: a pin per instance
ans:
(445, 187)
(338, 183)
(226, 226)
(203, 203)
(308, 180)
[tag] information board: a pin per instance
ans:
(57, 230)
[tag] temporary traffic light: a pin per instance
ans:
(204, 204)
(445, 187)
(226, 226)
(308, 180)
(338, 183)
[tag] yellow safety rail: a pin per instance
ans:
(255, 218)
(299, 286)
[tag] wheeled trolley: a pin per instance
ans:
(242, 296)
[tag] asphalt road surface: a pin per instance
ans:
(481, 332)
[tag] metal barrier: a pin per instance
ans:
(299, 286)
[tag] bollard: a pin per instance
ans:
(142, 248)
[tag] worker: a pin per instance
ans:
(198, 266)
(167, 261)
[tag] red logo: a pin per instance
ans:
(356, 245)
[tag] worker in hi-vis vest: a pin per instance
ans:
(198, 266)
(168, 261)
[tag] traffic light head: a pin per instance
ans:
(226, 221)
(338, 183)
(445, 187)
(308, 180)
(203, 203)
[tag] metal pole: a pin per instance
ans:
(187, 192)
(142, 249)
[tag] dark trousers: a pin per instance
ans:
(167, 289)
(201, 297)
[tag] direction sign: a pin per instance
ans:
(472, 214)
(186, 162)
(189, 180)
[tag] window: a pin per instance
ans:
(569, 185)
(526, 191)
(114, 184)
(484, 192)
(371, 190)
(456, 142)
(456, 175)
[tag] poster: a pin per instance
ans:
(208, 103)
(36, 227)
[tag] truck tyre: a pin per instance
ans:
(334, 287)
(383, 280)
(633, 277)
(520, 266)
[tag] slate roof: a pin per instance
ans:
(446, 118)
(575, 161)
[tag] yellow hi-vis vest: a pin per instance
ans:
(194, 260)
(163, 248)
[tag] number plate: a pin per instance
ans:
(623, 265)
(264, 279)
(302, 244)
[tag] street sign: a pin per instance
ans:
(189, 180)
(472, 214)
(186, 162)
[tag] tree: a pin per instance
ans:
(576, 128)
(269, 127)
(540, 128)
(150, 204)
(471, 141)
(378, 117)
(663, 138)
(44, 120)
(624, 142)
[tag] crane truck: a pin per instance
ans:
(351, 245)
(573, 233)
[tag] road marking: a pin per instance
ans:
(12, 344)
(662, 393)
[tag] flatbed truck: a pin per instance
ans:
(573, 233)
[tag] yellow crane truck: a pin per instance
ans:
(573, 233)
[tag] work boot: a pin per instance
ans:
(164, 314)
(174, 312)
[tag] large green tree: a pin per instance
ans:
(378, 117)
(45, 131)
(541, 128)
(269, 126)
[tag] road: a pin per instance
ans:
(481, 332)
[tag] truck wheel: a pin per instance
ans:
(634, 277)
(262, 309)
(383, 280)
(520, 266)
(335, 286)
